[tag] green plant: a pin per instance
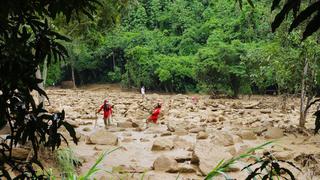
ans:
(27, 39)
(270, 167)
(67, 162)
(114, 76)
(225, 165)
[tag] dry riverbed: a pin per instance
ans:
(190, 139)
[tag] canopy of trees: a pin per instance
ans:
(187, 46)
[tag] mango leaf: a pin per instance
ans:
(312, 26)
(305, 14)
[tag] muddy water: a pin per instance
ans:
(232, 117)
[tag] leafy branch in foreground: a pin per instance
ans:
(272, 167)
(225, 165)
(267, 162)
(311, 14)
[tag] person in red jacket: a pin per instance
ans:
(107, 112)
(154, 117)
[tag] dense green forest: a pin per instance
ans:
(180, 46)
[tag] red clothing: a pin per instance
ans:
(106, 111)
(154, 116)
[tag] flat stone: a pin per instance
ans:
(144, 140)
(126, 139)
(274, 133)
(161, 144)
(196, 130)
(166, 164)
(180, 143)
(102, 137)
(247, 135)
(186, 168)
(223, 138)
(284, 155)
(202, 135)
(125, 124)
(208, 155)
(166, 134)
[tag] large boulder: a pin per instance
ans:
(274, 133)
(102, 137)
(180, 143)
(161, 144)
(166, 164)
(247, 135)
(208, 155)
(223, 138)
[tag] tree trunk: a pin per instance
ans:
(113, 61)
(40, 85)
(303, 106)
(45, 72)
(72, 76)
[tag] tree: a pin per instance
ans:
(221, 68)
(308, 17)
(26, 40)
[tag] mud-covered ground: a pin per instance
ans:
(190, 138)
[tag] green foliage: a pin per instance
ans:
(54, 74)
(114, 76)
(225, 165)
(67, 162)
(268, 166)
(27, 39)
(223, 66)
(225, 48)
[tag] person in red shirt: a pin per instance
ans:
(107, 112)
(154, 117)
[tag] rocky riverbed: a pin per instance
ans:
(190, 139)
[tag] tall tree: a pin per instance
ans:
(26, 40)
